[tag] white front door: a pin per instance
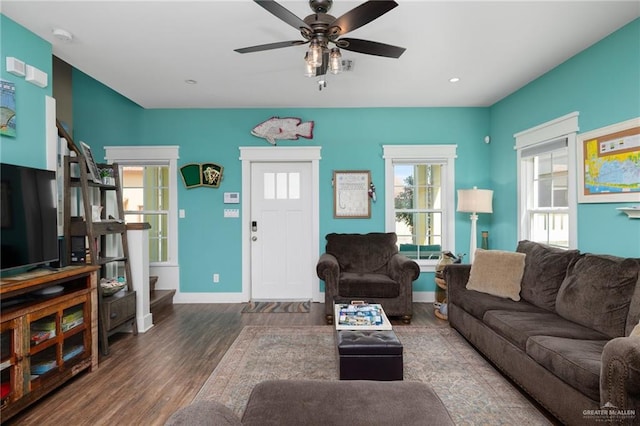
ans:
(281, 250)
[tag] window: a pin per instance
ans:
(547, 204)
(145, 193)
(281, 186)
(420, 199)
(149, 194)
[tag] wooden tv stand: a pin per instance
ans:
(49, 329)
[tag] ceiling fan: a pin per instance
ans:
(319, 29)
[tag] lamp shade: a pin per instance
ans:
(475, 200)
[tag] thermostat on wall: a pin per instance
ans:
(231, 197)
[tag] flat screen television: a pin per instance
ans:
(28, 217)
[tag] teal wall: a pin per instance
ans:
(102, 116)
(602, 83)
(350, 139)
(28, 147)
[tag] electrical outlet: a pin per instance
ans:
(216, 278)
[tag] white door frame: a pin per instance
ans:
(249, 155)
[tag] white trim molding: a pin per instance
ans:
(547, 131)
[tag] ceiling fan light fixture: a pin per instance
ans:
(335, 61)
(309, 70)
(314, 57)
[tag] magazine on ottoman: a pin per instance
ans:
(361, 316)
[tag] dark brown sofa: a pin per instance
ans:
(324, 403)
(568, 341)
(367, 267)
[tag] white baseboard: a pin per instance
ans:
(424, 296)
(144, 322)
(180, 297)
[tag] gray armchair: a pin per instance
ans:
(367, 267)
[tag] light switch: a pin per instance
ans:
(231, 213)
(181, 213)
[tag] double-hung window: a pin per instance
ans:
(546, 174)
(150, 194)
(420, 199)
(145, 196)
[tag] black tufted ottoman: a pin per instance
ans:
(369, 355)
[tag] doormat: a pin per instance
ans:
(277, 307)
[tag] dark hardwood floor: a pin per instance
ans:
(147, 377)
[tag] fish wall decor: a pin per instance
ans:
(283, 128)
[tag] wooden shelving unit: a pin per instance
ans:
(49, 333)
(100, 241)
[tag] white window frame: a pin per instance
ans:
(442, 154)
(544, 138)
(153, 156)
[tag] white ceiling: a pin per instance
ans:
(145, 49)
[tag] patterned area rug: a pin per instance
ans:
(277, 307)
(473, 392)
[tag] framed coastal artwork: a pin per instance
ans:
(350, 194)
(7, 108)
(609, 163)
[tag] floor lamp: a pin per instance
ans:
(474, 201)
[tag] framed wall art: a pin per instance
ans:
(609, 164)
(94, 172)
(350, 194)
(8, 108)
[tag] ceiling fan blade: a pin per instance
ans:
(270, 46)
(363, 14)
(370, 47)
(283, 13)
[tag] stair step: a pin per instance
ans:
(153, 279)
(161, 297)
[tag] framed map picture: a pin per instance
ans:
(609, 164)
(350, 194)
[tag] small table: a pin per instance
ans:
(368, 349)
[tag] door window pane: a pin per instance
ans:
(294, 186)
(281, 186)
(269, 186)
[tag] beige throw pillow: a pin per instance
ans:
(636, 330)
(497, 272)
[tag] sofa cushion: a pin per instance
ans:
(577, 362)
(544, 270)
(332, 402)
(597, 292)
(362, 252)
(518, 327)
(367, 286)
(477, 304)
(497, 272)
